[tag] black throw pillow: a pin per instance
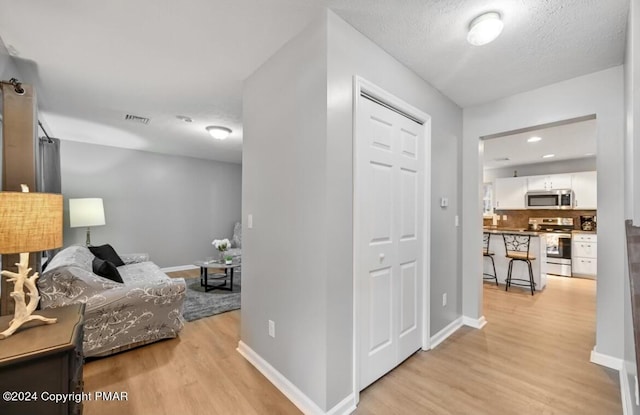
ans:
(107, 253)
(106, 269)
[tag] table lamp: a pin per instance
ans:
(86, 212)
(29, 222)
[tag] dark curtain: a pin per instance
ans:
(49, 178)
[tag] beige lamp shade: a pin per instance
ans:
(30, 222)
(86, 212)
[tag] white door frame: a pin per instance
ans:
(362, 85)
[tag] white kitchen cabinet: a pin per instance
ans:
(549, 182)
(584, 255)
(584, 267)
(585, 188)
(509, 192)
(487, 199)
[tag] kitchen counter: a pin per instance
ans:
(538, 249)
(500, 231)
(581, 231)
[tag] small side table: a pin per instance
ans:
(227, 275)
(39, 360)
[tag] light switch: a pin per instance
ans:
(444, 202)
(250, 221)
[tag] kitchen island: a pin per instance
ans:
(537, 249)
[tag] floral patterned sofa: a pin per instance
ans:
(236, 242)
(145, 308)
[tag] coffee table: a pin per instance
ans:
(227, 275)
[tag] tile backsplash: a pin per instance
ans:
(520, 218)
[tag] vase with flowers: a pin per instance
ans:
(222, 245)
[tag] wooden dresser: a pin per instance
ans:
(40, 363)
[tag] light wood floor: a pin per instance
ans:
(532, 358)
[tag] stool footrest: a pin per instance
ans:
(528, 283)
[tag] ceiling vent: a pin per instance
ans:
(135, 118)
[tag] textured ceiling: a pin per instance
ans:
(543, 41)
(94, 62)
(569, 141)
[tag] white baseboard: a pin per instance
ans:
(443, 334)
(345, 407)
(625, 392)
(291, 391)
(606, 360)
(476, 323)
(178, 268)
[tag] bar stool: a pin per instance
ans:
(486, 238)
(517, 248)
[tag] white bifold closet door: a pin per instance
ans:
(389, 244)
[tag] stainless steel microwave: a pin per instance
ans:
(550, 199)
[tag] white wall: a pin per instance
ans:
(284, 188)
(632, 195)
(169, 206)
(8, 68)
(600, 93)
(298, 184)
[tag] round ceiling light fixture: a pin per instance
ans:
(485, 28)
(217, 132)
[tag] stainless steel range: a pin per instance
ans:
(557, 232)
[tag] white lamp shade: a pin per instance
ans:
(86, 212)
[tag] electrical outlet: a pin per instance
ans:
(504, 217)
(444, 299)
(272, 328)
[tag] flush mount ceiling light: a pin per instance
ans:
(217, 132)
(548, 156)
(485, 28)
(534, 139)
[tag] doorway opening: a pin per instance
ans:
(541, 182)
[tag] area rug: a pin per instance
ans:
(200, 304)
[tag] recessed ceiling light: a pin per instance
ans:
(534, 139)
(217, 132)
(485, 28)
(589, 154)
(184, 118)
(548, 156)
